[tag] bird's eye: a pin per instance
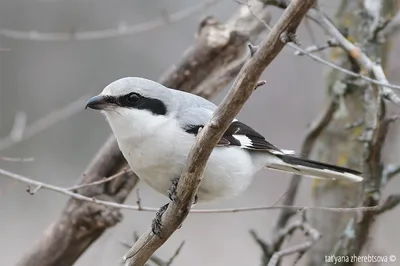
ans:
(133, 98)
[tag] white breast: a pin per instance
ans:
(158, 152)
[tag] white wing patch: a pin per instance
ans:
(288, 152)
(245, 142)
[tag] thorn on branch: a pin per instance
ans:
(138, 200)
(288, 37)
(260, 83)
(33, 191)
(253, 49)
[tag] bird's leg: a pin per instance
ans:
(172, 192)
(156, 223)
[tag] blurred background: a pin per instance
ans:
(39, 77)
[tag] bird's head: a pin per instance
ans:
(133, 103)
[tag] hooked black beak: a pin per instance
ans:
(97, 102)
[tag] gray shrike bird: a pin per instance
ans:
(156, 127)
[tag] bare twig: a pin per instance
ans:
(105, 180)
(121, 30)
(155, 259)
(138, 200)
(283, 233)
(343, 70)
(390, 203)
(318, 48)
(300, 248)
(360, 56)
(139, 207)
(43, 123)
(213, 131)
(33, 191)
(393, 26)
(263, 245)
(389, 172)
(23, 160)
(177, 251)
(357, 52)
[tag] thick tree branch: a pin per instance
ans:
(212, 132)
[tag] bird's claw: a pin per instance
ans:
(156, 223)
(172, 191)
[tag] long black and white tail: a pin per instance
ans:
(288, 163)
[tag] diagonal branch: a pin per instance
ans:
(352, 49)
(356, 53)
(213, 131)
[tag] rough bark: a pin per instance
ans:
(340, 146)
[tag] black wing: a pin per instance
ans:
(239, 134)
